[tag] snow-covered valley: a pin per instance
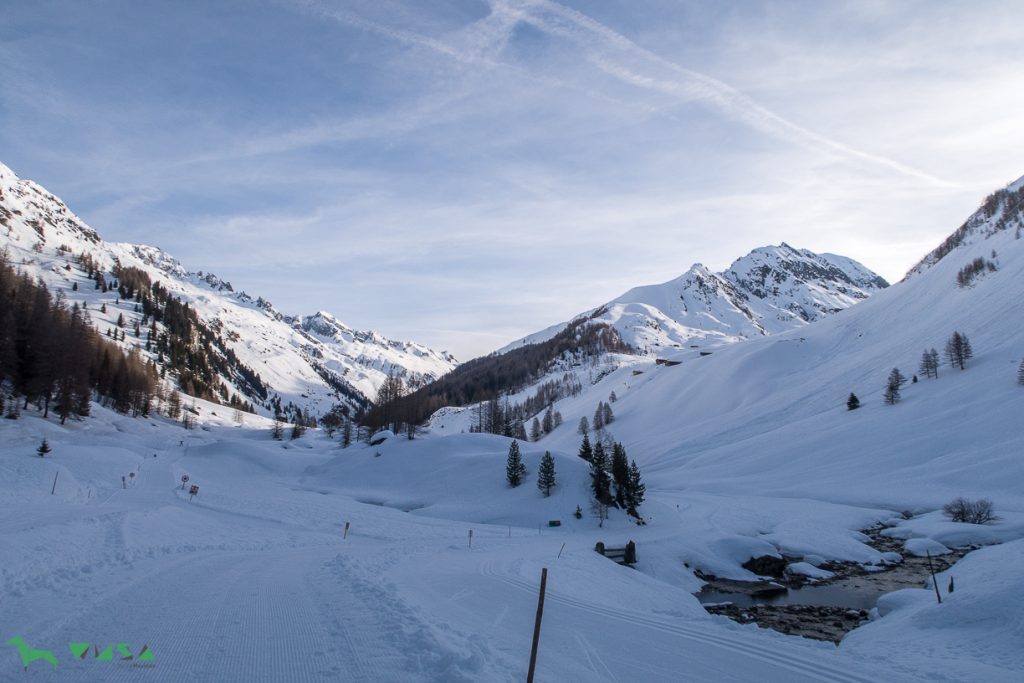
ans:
(413, 560)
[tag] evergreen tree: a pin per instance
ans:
(535, 430)
(598, 422)
(546, 474)
(549, 420)
(277, 431)
(853, 402)
(557, 420)
(606, 414)
(346, 433)
(892, 387)
(958, 350)
(584, 426)
(612, 398)
(1020, 373)
(637, 491)
(586, 452)
(600, 482)
(43, 449)
(620, 474)
(515, 470)
(519, 432)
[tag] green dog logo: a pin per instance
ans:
(30, 654)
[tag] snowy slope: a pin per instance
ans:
(293, 355)
(745, 452)
(770, 290)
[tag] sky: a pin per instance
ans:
(461, 173)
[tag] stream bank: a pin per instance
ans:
(828, 608)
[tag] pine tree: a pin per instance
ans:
(549, 420)
(546, 474)
(346, 433)
(892, 387)
(535, 430)
(637, 491)
(612, 398)
(277, 431)
(958, 350)
(43, 449)
(584, 426)
(620, 474)
(586, 452)
(600, 482)
(929, 364)
(557, 420)
(515, 470)
(1020, 373)
(598, 421)
(853, 402)
(606, 414)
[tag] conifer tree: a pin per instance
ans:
(515, 470)
(892, 387)
(346, 433)
(598, 421)
(584, 426)
(636, 491)
(606, 414)
(620, 474)
(546, 474)
(277, 431)
(612, 398)
(586, 452)
(557, 422)
(853, 402)
(549, 420)
(535, 430)
(1020, 373)
(43, 449)
(600, 482)
(958, 350)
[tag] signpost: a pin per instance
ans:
(192, 491)
(184, 480)
(345, 535)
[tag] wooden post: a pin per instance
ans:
(935, 585)
(536, 626)
(345, 535)
(470, 538)
(54, 489)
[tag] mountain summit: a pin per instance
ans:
(770, 290)
(309, 362)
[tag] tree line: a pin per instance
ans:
(51, 356)
(488, 378)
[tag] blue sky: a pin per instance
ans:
(462, 173)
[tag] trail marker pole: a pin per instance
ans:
(345, 535)
(470, 538)
(935, 585)
(54, 489)
(560, 551)
(123, 484)
(536, 626)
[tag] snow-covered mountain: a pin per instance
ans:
(770, 290)
(311, 361)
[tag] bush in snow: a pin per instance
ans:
(978, 511)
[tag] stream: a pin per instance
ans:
(827, 609)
